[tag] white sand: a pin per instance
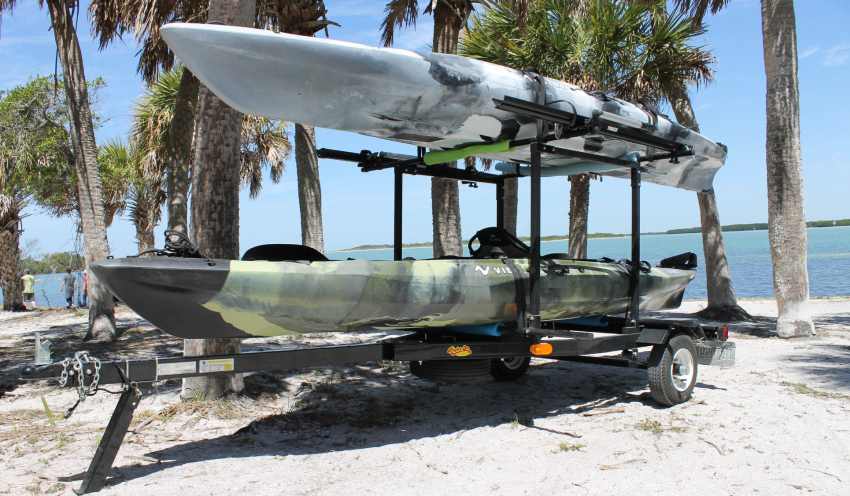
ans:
(564, 428)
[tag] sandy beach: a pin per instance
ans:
(776, 423)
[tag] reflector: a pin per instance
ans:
(541, 349)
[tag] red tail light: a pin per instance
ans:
(725, 333)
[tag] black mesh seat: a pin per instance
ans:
(495, 242)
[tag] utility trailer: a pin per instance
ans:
(678, 346)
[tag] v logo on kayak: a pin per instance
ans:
(496, 270)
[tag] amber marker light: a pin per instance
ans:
(541, 349)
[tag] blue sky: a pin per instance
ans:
(357, 208)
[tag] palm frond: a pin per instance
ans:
(619, 47)
(151, 115)
(265, 144)
(112, 19)
(697, 9)
(399, 14)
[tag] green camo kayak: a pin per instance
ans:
(191, 299)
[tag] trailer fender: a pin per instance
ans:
(653, 336)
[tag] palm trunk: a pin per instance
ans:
(786, 218)
(445, 194)
(510, 202)
(101, 311)
(144, 231)
(579, 208)
(309, 187)
(10, 254)
(179, 152)
(580, 184)
(722, 304)
(215, 200)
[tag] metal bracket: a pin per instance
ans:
(42, 350)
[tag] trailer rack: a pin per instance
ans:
(678, 346)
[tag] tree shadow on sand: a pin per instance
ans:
(823, 366)
(377, 412)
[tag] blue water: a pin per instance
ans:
(47, 292)
(747, 252)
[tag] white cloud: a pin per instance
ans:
(837, 55)
(706, 105)
(809, 52)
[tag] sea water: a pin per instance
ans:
(747, 252)
(47, 292)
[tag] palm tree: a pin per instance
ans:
(113, 18)
(101, 312)
(16, 156)
(215, 179)
(214, 210)
(597, 45)
(10, 253)
(141, 193)
(305, 18)
(449, 17)
(722, 304)
(785, 207)
(140, 161)
(786, 210)
(143, 19)
(217, 126)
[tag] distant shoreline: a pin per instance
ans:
(729, 228)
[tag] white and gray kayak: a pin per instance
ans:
(438, 101)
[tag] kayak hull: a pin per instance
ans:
(437, 101)
(190, 299)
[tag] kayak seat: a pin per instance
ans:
(684, 261)
(281, 253)
(495, 242)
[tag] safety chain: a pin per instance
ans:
(63, 378)
(77, 365)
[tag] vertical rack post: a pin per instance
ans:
(397, 213)
(634, 282)
(534, 259)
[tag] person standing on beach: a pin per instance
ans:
(84, 301)
(29, 289)
(69, 283)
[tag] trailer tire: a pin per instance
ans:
(509, 369)
(673, 370)
(461, 370)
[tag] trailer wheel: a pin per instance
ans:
(451, 370)
(673, 370)
(509, 369)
